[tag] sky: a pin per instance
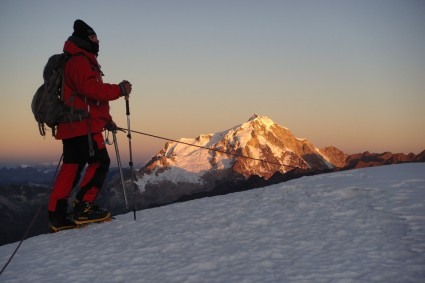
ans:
(364, 225)
(345, 73)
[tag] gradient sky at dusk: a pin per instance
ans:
(344, 73)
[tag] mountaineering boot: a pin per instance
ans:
(85, 212)
(59, 224)
(59, 219)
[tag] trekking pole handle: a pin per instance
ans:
(127, 105)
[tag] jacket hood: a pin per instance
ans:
(71, 48)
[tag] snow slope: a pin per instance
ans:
(365, 225)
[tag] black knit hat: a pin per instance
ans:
(82, 30)
(80, 37)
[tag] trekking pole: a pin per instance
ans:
(133, 179)
(117, 153)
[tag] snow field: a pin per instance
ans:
(365, 225)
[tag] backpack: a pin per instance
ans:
(47, 104)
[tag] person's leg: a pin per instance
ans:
(97, 170)
(67, 178)
(63, 184)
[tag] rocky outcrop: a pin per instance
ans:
(335, 156)
(420, 157)
(367, 159)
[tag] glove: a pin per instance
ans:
(125, 87)
(111, 126)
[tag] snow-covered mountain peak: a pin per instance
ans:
(261, 120)
(253, 117)
(257, 147)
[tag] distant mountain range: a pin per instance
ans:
(368, 159)
(40, 174)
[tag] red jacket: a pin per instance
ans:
(85, 77)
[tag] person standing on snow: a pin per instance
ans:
(82, 140)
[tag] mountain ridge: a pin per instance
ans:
(182, 171)
(273, 150)
(258, 138)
